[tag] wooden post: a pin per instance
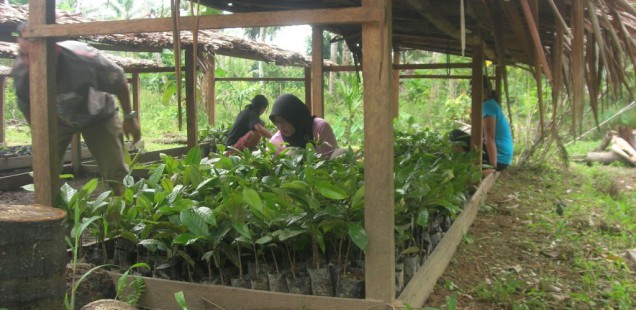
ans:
(396, 84)
(577, 65)
(210, 76)
(2, 107)
(43, 112)
(378, 149)
(76, 154)
(136, 87)
(308, 87)
(191, 106)
(477, 99)
(317, 80)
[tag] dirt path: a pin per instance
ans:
(501, 252)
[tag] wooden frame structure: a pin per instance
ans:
(376, 35)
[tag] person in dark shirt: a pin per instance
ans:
(248, 127)
(87, 83)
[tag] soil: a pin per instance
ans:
(502, 243)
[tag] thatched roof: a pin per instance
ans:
(542, 34)
(210, 41)
(4, 70)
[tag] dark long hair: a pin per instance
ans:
(258, 102)
(296, 113)
(488, 87)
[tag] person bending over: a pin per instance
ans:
(248, 127)
(86, 83)
(297, 127)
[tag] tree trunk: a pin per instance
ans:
(627, 134)
(33, 257)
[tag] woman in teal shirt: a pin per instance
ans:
(497, 136)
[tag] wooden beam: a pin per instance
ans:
(3, 86)
(577, 65)
(308, 86)
(557, 70)
(210, 76)
(477, 101)
(435, 76)
(538, 46)
(433, 66)
(317, 78)
(191, 105)
(422, 284)
(339, 68)
(518, 29)
(378, 149)
(396, 84)
(42, 101)
(354, 15)
(136, 89)
(159, 294)
(76, 154)
(427, 10)
(261, 79)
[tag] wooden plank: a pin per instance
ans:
(421, 285)
(427, 10)
(3, 86)
(346, 68)
(396, 84)
(307, 86)
(557, 68)
(436, 76)
(210, 76)
(159, 294)
(533, 28)
(477, 100)
(191, 105)
(317, 77)
(76, 153)
(136, 91)
(354, 15)
(43, 112)
(261, 79)
(378, 150)
(577, 65)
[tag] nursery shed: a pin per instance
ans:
(571, 43)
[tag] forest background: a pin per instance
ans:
(441, 104)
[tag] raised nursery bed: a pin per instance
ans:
(159, 293)
(290, 223)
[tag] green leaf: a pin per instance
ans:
(422, 218)
(193, 157)
(156, 175)
(287, 233)
(66, 192)
(252, 199)
(357, 201)
(180, 298)
(194, 222)
(129, 181)
(410, 250)
(243, 230)
(185, 239)
(358, 235)
(331, 191)
(206, 214)
(264, 240)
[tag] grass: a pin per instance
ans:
(544, 260)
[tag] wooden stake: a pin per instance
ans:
(317, 78)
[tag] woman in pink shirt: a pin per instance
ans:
(297, 127)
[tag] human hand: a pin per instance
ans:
(486, 172)
(131, 129)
